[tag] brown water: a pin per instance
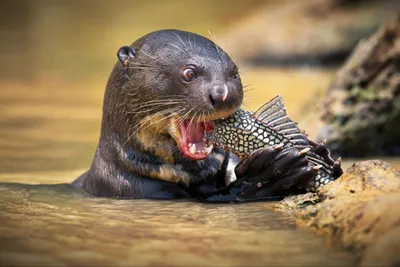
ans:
(50, 112)
(49, 138)
(55, 225)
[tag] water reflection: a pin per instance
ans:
(57, 225)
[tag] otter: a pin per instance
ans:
(159, 98)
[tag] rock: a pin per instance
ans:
(308, 32)
(298, 201)
(361, 110)
(366, 178)
(360, 210)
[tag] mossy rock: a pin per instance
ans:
(361, 113)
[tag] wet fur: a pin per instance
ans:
(136, 157)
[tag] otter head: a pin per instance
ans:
(174, 83)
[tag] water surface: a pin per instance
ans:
(57, 225)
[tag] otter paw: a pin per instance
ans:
(268, 172)
(321, 149)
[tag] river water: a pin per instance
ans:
(50, 112)
(55, 225)
(49, 137)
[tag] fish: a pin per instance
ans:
(244, 131)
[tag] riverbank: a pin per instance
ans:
(359, 211)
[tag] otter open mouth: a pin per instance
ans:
(193, 143)
(191, 134)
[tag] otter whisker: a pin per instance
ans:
(248, 90)
(173, 114)
(139, 112)
(150, 117)
(162, 119)
(172, 151)
(164, 99)
(161, 103)
(160, 98)
(191, 120)
(138, 68)
(215, 41)
(246, 99)
(204, 117)
(190, 44)
(142, 65)
(158, 102)
(149, 108)
(152, 57)
(184, 117)
(180, 39)
(141, 125)
(177, 47)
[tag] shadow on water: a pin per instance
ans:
(59, 225)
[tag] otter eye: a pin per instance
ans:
(189, 74)
(235, 75)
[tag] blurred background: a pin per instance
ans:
(56, 56)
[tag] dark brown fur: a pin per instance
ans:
(137, 156)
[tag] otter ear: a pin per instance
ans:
(126, 54)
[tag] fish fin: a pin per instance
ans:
(273, 114)
(271, 107)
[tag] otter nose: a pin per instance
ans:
(218, 95)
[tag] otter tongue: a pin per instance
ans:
(195, 132)
(193, 145)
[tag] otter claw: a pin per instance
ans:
(278, 147)
(304, 151)
(316, 168)
(324, 141)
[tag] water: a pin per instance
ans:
(57, 225)
(49, 137)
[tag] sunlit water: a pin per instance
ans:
(50, 138)
(56, 225)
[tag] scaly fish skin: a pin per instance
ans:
(241, 134)
(244, 131)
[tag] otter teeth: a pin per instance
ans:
(209, 149)
(192, 148)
